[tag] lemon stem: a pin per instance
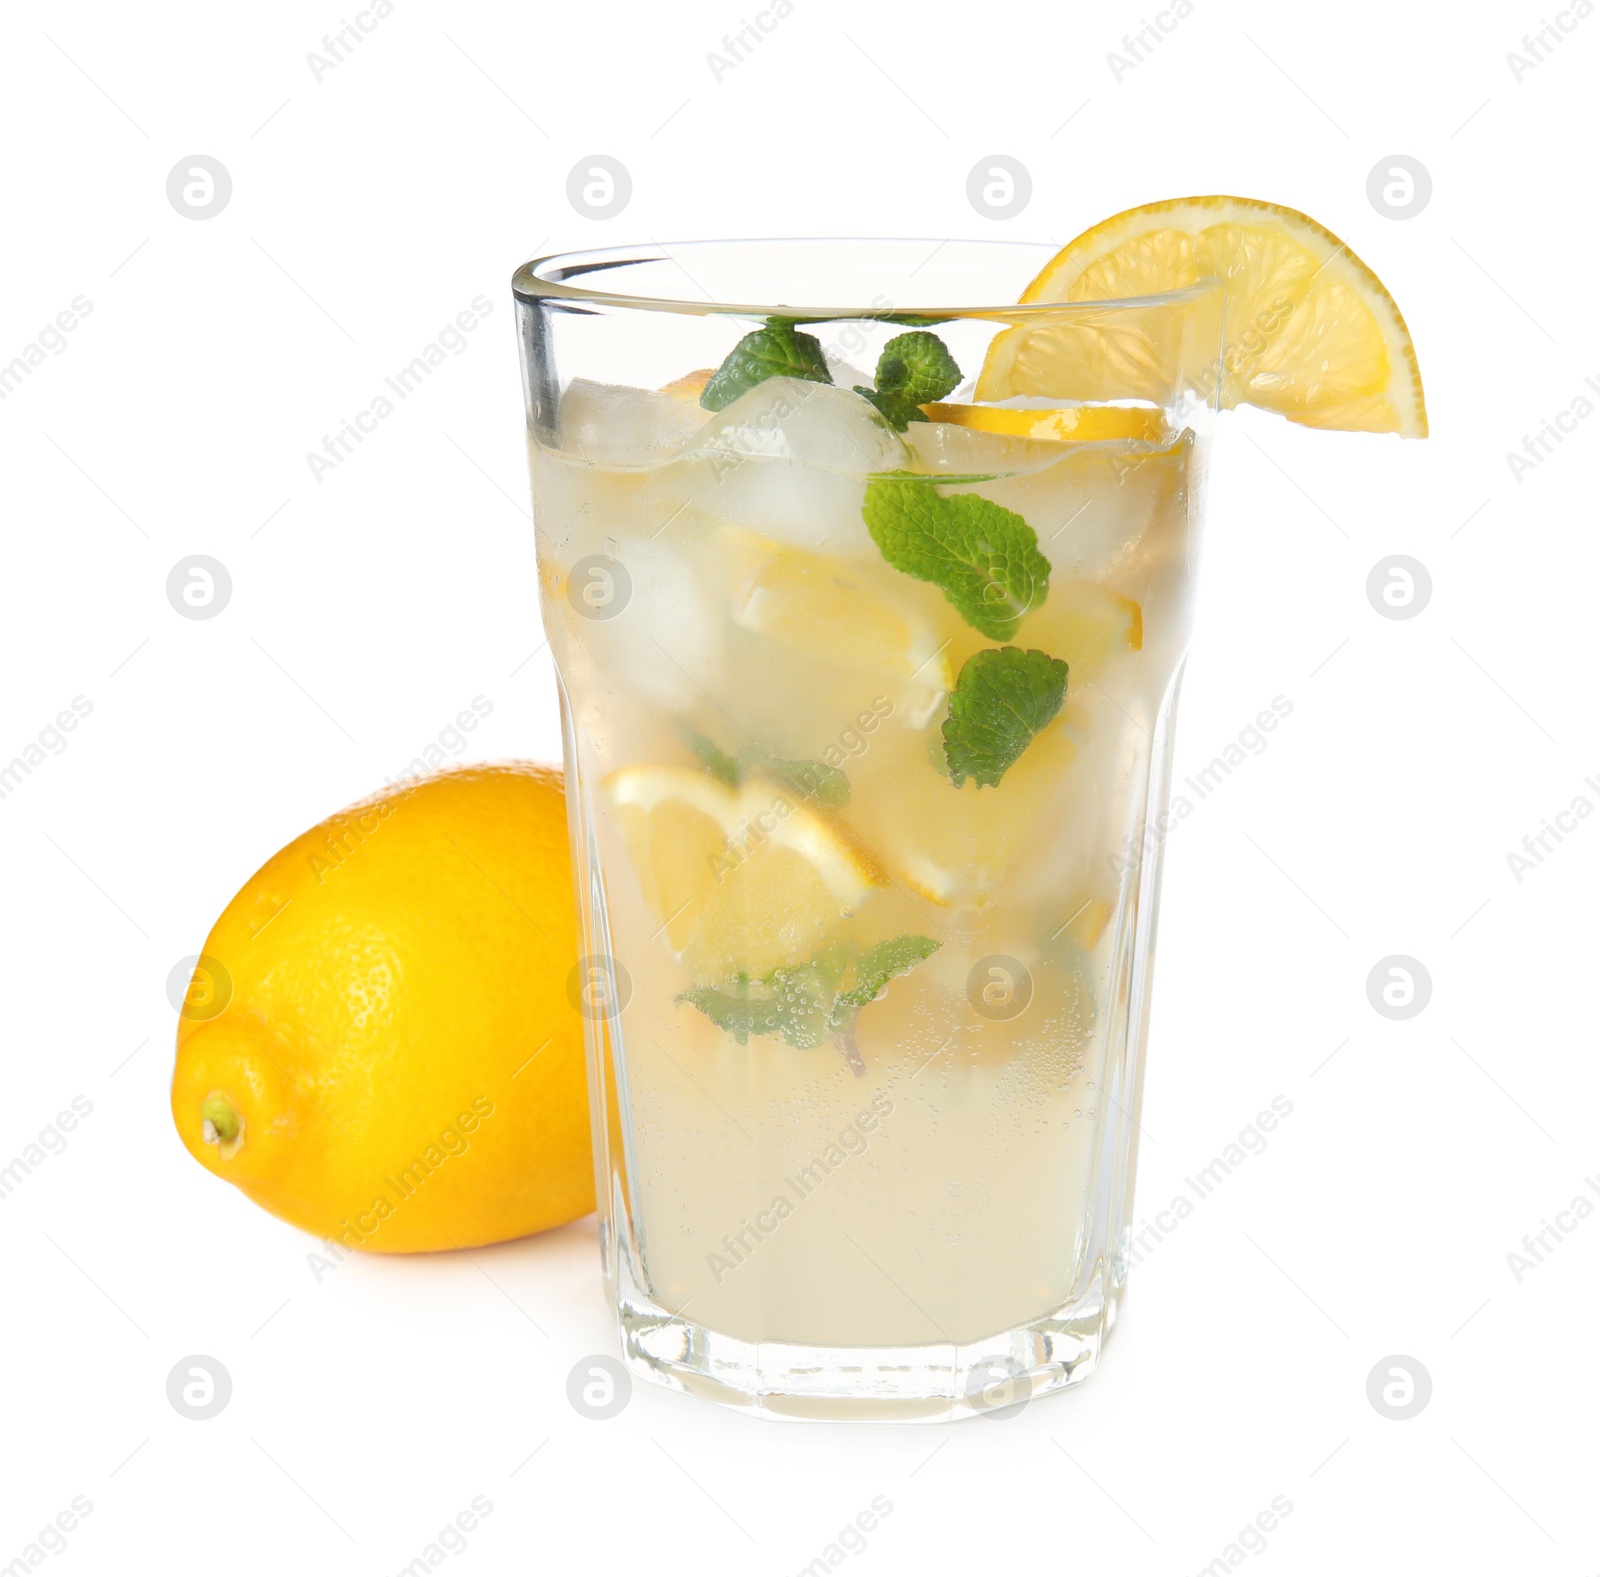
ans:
(222, 1115)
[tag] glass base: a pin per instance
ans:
(938, 1383)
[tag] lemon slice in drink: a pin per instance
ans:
(844, 612)
(1086, 923)
(1310, 331)
(690, 386)
(1085, 622)
(954, 847)
(744, 880)
(1061, 424)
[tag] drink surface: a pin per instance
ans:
(863, 1015)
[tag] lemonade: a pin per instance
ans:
(923, 1172)
(869, 692)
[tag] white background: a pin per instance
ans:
(368, 209)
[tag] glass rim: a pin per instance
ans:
(545, 280)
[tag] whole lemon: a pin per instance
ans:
(378, 1044)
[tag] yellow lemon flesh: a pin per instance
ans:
(1062, 424)
(394, 1062)
(1310, 331)
(690, 386)
(955, 847)
(744, 880)
(1087, 623)
(816, 604)
(950, 846)
(1087, 923)
(833, 610)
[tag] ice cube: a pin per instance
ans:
(818, 423)
(625, 426)
(787, 501)
(1095, 502)
(968, 451)
(664, 643)
(832, 637)
(844, 375)
(788, 460)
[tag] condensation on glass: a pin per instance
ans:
(865, 1046)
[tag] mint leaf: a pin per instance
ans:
(794, 1003)
(723, 767)
(916, 368)
(779, 350)
(982, 556)
(813, 781)
(806, 995)
(912, 370)
(1003, 697)
(882, 962)
(736, 1012)
(811, 1002)
(898, 413)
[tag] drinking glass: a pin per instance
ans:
(868, 704)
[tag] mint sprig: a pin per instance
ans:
(983, 557)
(777, 350)
(883, 962)
(895, 411)
(814, 782)
(723, 767)
(913, 370)
(1003, 697)
(815, 1001)
(917, 367)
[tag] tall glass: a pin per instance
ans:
(868, 704)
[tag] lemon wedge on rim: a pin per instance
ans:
(1310, 331)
